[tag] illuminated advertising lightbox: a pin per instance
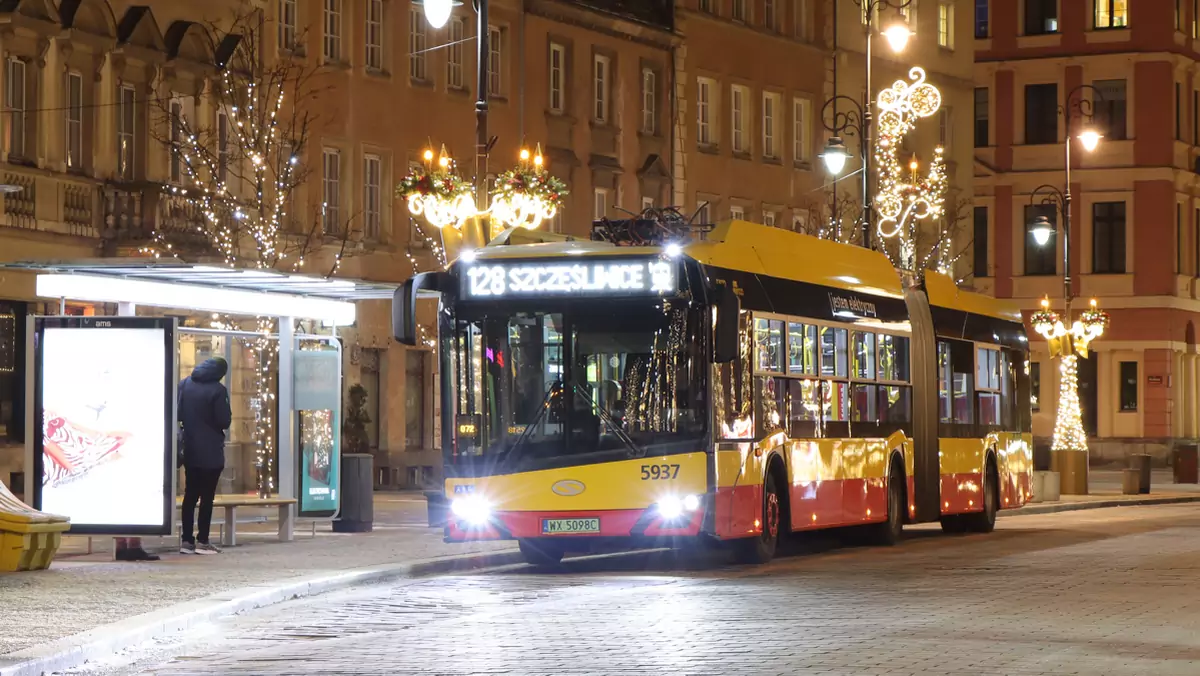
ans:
(104, 416)
(318, 402)
(523, 279)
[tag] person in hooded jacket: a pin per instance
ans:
(205, 415)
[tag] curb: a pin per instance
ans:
(1052, 508)
(77, 650)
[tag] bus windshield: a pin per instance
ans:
(605, 378)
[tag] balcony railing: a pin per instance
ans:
(134, 212)
(73, 208)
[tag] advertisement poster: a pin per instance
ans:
(104, 404)
(318, 400)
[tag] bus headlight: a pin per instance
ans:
(673, 507)
(473, 509)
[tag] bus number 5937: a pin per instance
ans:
(659, 472)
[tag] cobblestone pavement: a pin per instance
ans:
(1098, 592)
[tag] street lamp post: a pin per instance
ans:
(858, 120)
(437, 13)
(1069, 451)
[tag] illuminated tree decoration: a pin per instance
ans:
(527, 195)
(437, 193)
(1069, 344)
(903, 201)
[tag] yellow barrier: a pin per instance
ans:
(28, 538)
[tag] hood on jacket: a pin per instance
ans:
(211, 370)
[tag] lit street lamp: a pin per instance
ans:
(858, 120)
(1067, 339)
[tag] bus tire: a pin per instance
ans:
(761, 548)
(891, 531)
(538, 553)
(985, 521)
(952, 524)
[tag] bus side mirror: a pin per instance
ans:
(725, 344)
(404, 303)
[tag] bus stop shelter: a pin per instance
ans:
(205, 288)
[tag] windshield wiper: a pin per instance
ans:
(555, 386)
(635, 451)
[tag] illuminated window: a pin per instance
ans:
(1113, 13)
(946, 24)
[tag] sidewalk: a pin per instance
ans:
(120, 604)
(81, 592)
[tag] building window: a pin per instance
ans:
(979, 242)
(982, 131)
(649, 101)
(1108, 238)
(946, 24)
(1196, 242)
(982, 28)
(1041, 259)
(647, 203)
(454, 53)
(1178, 112)
(176, 108)
(374, 37)
(739, 11)
(372, 196)
(770, 124)
(1041, 17)
(801, 19)
(1041, 113)
(1179, 265)
(74, 119)
(1115, 13)
(287, 25)
(1110, 107)
(14, 100)
(1195, 19)
(770, 15)
(738, 103)
(1196, 116)
(1178, 15)
(126, 100)
(332, 44)
(331, 181)
(601, 76)
(418, 38)
(414, 398)
(222, 147)
(737, 213)
(600, 203)
(495, 61)
(558, 69)
(707, 6)
(946, 127)
(705, 110)
(770, 218)
(1035, 385)
(801, 129)
(1129, 386)
(703, 213)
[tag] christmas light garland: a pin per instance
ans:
(902, 203)
(1069, 343)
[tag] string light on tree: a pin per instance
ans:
(904, 201)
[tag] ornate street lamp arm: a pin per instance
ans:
(1050, 194)
(837, 122)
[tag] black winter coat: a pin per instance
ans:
(205, 414)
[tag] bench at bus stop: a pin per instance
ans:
(230, 504)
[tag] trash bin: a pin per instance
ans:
(438, 509)
(1186, 464)
(358, 498)
(1141, 462)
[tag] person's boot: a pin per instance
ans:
(131, 549)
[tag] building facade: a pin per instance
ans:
(1135, 217)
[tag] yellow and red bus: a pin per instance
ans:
(736, 388)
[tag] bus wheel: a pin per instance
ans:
(761, 549)
(952, 524)
(985, 521)
(891, 531)
(540, 553)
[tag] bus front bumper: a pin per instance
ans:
(635, 524)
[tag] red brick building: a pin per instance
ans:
(1135, 220)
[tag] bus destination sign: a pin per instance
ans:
(652, 276)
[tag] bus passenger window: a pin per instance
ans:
(895, 405)
(988, 385)
(864, 400)
(772, 403)
(837, 402)
(945, 409)
(804, 400)
(833, 352)
(768, 343)
(893, 358)
(864, 355)
(802, 349)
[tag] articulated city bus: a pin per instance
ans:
(734, 389)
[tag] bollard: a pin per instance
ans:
(438, 509)
(1130, 481)
(358, 499)
(1141, 463)
(1045, 487)
(1186, 464)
